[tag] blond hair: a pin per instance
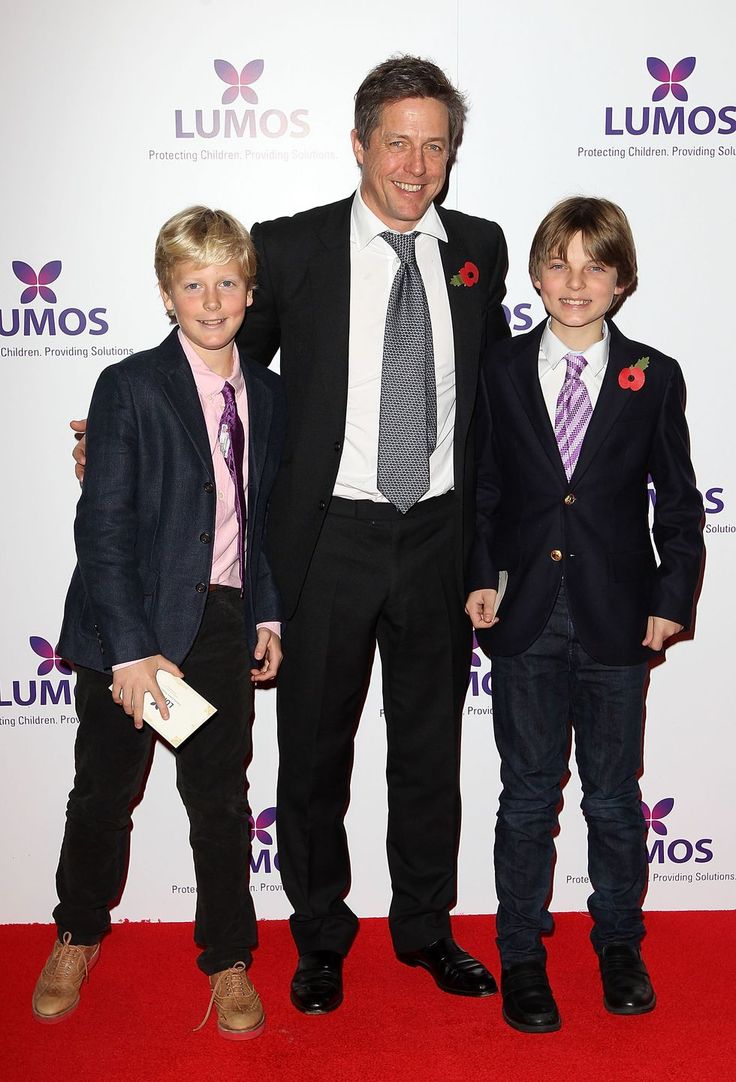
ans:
(205, 237)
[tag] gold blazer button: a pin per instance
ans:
(569, 499)
(555, 555)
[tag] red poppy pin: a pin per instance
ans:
(466, 276)
(632, 378)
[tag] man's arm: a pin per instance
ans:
(260, 335)
(79, 451)
(482, 571)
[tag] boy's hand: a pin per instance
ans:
(79, 454)
(659, 629)
(480, 607)
(130, 684)
(268, 650)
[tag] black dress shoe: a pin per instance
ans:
(627, 988)
(316, 987)
(453, 969)
(528, 1003)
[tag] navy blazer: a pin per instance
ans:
(146, 518)
(302, 306)
(593, 529)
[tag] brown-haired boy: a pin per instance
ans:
(572, 418)
(185, 441)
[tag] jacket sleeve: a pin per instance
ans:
(678, 510)
(267, 601)
(105, 527)
(482, 571)
(260, 336)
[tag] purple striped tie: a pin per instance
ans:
(572, 413)
(233, 452)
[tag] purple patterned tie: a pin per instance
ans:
(232, 442)
(572, 413)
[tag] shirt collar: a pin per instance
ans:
(552, 350)
(209, 384)
(365, 226)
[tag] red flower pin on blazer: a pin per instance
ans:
(468, 275)
(632, 378)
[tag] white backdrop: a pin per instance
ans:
(113, 120)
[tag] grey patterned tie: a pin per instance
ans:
(407, 431)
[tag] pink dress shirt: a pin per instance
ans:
(225, 568)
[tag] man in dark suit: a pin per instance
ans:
(358, 558)
(572, 418)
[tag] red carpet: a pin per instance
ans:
(144, 997)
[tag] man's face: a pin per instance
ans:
(405, 162)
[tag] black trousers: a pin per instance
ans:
(111, 759)
(376, 577)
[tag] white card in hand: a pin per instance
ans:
(187, 709)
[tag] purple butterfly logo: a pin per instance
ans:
(475, 661)
(37, 283)
(258, 826)
(45, 650)
(653, 818)
(670, 80)
(239, 83)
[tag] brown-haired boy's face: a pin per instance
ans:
(577, 291)
(209, 304)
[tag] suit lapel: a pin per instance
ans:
(178, 385)
(524, 373)
(612, 401)
(329, 274)
(464, 331)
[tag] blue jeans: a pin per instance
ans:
(536, 696)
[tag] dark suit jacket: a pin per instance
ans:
(146, 517)
(302, 305)
(525, 511)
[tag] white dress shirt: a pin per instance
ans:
(373, 266)
(552, 370)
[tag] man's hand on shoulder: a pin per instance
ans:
(480, 607)
(130, 684)
(658, 631)
(79, 454)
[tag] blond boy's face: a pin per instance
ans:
(577, 292)
(209, 304)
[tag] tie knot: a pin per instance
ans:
(228, 393)
(575, 365)
(402, 244)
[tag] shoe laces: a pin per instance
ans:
(65, 966)
(232, 984)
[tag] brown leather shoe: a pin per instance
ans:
(239, 1011)
(56, 993)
